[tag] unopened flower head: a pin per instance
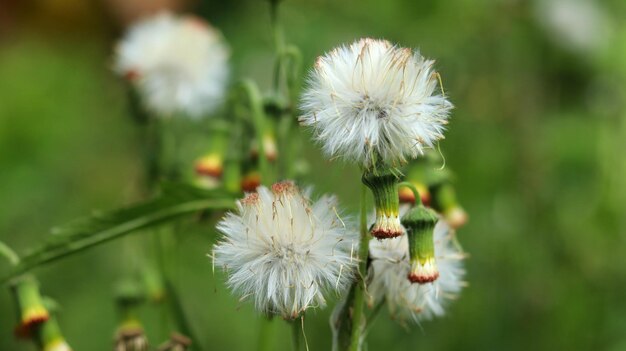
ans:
(419, 223)
(384, 187)
(372, 102)
(286, 251)
(177, 342)
(391, 266)
(48, 334)
(177, 63)
(31, 309)
(130, 335)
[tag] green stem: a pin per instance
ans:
(296, 334)
(53, 253)
(258, 121)
(416, 193)
(279, 42)
(359, 296)
(266, 331)
(372, 317)
(9, 254)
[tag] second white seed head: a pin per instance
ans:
(286, 252)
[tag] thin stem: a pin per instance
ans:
(279, 42)
(258, 121)
(372, 317)
(9, 254)
(359, 297)
(296, 334)
(416, 193)
(266, 338)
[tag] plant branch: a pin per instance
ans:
(259, 123)
(359, 296)
(98, 229)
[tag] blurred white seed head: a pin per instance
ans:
(578, 25)
(177, 63)
(391, 265)
(285, 251)
(372, 102)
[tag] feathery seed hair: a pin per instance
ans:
(286, 251)
(372, 102)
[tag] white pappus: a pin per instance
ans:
(372, 102)
(390, 267)
(177, 63)
(285, 251)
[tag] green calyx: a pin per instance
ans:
(48, 335)
(31, 310)
(384, 187)
(419, 223)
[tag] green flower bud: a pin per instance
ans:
(419, 223)
(130, 335)
(31, 310)
(384, 187)
(48, 334)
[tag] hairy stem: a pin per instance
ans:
(359, 295)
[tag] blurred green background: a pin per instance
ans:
(537, 139)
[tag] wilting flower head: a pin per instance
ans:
(286, 251)
(373, 102)
(178, 64)
(391, 266)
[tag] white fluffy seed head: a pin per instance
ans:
(391, 266)
(372, 102)
(177, 63)
(578, 25)
(285, 251)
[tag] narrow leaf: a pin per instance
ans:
(174, 201)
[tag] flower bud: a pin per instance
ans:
(384, 187)
(177, 342)
(130, 335)
(419, 223)
(250, 181)
(131, 338)
(31, 310)
(48, 333)
(211, 165)
(269, 147)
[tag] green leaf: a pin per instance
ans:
(175, 200)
